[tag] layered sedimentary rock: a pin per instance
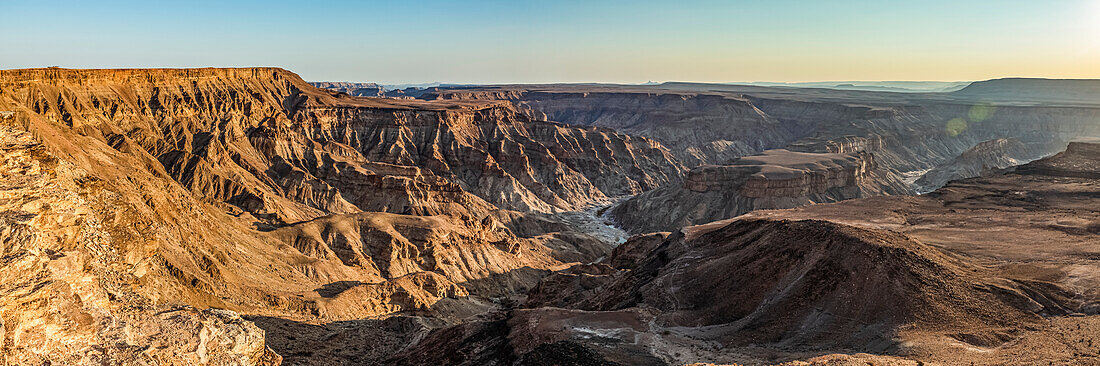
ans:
(371, 89)
(265, 141)
(916, 131)
(908, 134)
(987, 271)
(143, 210)
(1080, 160)
(773, 179)
(132, 195)
(700, 128)
(717, 293)
(353, 89)
(386, 263)
(92, 272)
(981, 159)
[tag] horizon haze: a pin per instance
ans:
(496, 42)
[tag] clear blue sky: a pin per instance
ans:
(567, 41)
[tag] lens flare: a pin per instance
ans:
(981, 112)
(955, 126)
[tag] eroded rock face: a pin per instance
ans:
(983, 158)
(773, 179)
(779, 266)
(128, 193)
(700, 129)
(77, 290)
(353, 89)
(370, 89)
(782, 173)
(948, 277)
(265, 141)
(1080, 160)
(387, 263)
(717, 123)
(717, 293)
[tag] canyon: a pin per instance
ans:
(248, 217)
(898, 135)
(129, 193)
(943, 278)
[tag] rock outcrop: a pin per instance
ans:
(988, 271)
(699, 128)
(131, 194)
(787, 274)
(88, 271)
(717, 123)
(353, 89)
(267, 142)
(386, 263)
(143, 210)
(717, 292)
(1080, 160)
(771, 180)
(983, 158)
(371, 89)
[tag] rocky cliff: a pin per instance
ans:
(907, 134)
(131, 194)
(370, 89)
(265, 141)
(1081, 159)
(981, 159)
(699, 128)
(770, 180)
(353, 89)
(717, 123)
(99, 266)
(988, 271)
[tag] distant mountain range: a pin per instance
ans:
(889, 86)
(1075, 91)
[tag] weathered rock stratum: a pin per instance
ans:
(987, 271)
(983, 158)
(717, 123)
(699, 128)
(144, 209)
(771, 180)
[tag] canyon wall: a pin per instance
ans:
(983, 158)
(717, 123)
(951, 277)
(265, 141)
(138, 200)
(714, 124)
(773, 179)
(700, 129)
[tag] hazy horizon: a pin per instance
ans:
(496, 42)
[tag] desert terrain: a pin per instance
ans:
(245, 216)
